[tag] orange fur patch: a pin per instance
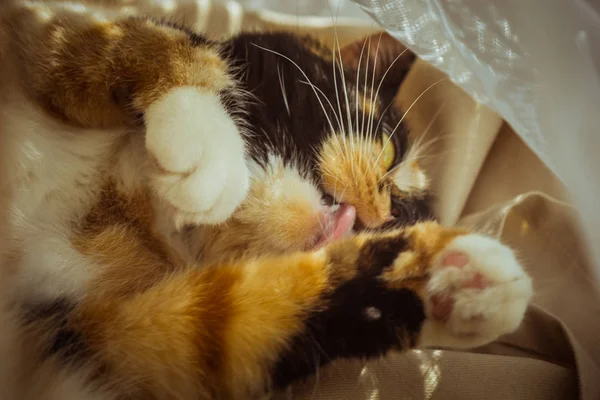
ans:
(163, 338)
(269, 306)
(185, 333)
(89, 72)
(349, 170)
(117, 234)
(219, 328)
(426, 240)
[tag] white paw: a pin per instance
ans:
(477, 292)
(200, 152)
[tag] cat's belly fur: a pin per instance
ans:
(46, 198)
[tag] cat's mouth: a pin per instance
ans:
(335, 222)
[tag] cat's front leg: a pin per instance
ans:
(200, 171)
(235, 329)
(94, 70)
(425, 286)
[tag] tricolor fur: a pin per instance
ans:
(194, 219)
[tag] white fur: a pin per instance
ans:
(406, 176)
(54, 175)
(478, 316)
(207, 175)
(286, 181)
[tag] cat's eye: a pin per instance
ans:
(389, 151)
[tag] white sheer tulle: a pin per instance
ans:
(534, 62)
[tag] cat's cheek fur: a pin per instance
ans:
(199, 151)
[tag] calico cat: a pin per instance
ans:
(195, 219)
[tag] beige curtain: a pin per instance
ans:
(486, 178)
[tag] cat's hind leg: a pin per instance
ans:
(93, 70)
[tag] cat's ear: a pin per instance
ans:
(378, 53)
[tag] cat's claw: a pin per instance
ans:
(477, 292)
(202, 173)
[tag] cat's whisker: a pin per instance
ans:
(283, 92)
(383, 79)
(305, 76)
(385, 110)
(358, 80)
(341, 144)
(350, 131)
(346, 151)
(342, 73)
(420, 157)
(422, 149)
(405, 114)
(333, 66)
(343, 193)
(335, 196)
(356, 91)
(314, 87)
(334, 192)
(328, 173)
(372, 108)
(390, 103)
(362, 124)
(418, 143)
(341, 196)
(417, 150)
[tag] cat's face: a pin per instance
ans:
(330, 153)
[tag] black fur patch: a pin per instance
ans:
(291, 121)
(363, 318)
(66, 342)
(408, 209)
(376, 255)
(345, 329)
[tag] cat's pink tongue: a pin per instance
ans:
(345, 217)
(338, 224)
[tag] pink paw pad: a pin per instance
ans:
(442, 303)
(458, 259)
(454, 259)
(477, 282)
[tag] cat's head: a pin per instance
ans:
(330, 153)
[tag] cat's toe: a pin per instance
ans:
(205, 196)
(202, 173)
(477, 292)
